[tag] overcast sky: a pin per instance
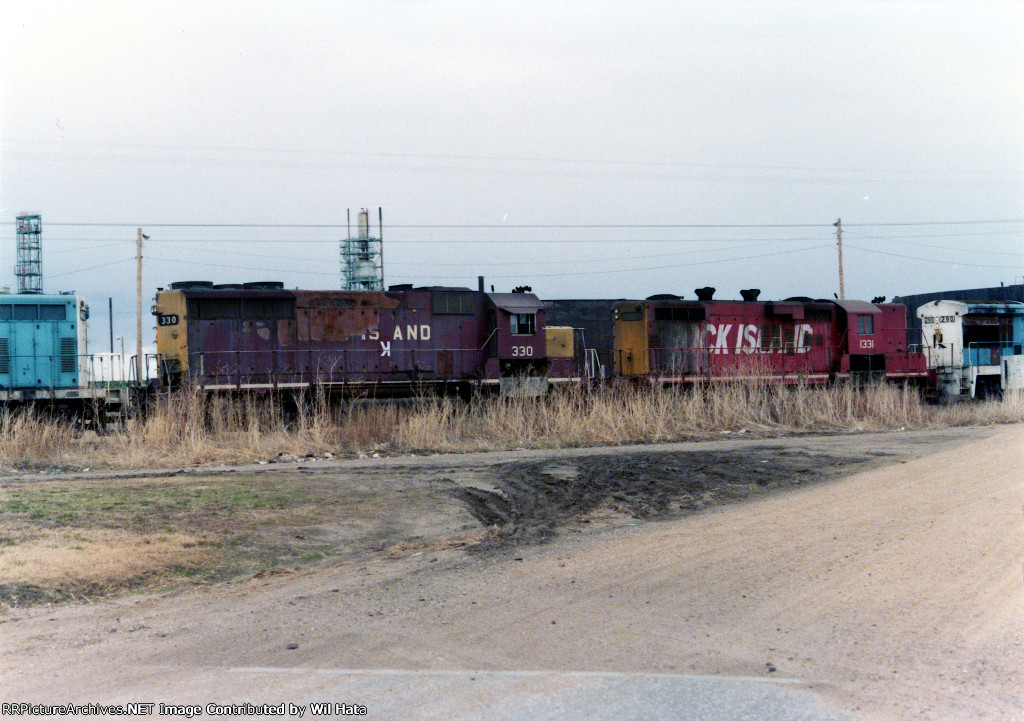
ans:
(587, 149)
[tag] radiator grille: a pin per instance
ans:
(5, 355)
(68, 355)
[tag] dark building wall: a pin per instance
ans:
(988, 295)
(594, 317)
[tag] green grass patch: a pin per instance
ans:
(162, 532)
(141, 505)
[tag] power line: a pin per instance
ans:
(926, 260)
(961, 249)
(94, 267)
(958, 234)
(621, 271)
(240, 267)
(448, 226)
(534, 169)
(474, 241)
(532, 275)
(320, 152)
(513, 226)
(546, 261)
(935, 222)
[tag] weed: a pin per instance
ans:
(187, 429)
(69, 539)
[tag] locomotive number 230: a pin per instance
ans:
(522, 351)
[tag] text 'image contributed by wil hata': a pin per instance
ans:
(280, 710)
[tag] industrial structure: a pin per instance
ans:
(362, 257)
(29, 264)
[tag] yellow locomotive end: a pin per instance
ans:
(559, 341)
(171, 335)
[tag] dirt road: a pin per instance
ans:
(892, 593)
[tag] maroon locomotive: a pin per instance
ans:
(798, 340)
(260, 336)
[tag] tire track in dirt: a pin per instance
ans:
(531, 500)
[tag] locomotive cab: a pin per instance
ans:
(863, 354)
(517, 345)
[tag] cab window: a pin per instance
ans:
(523, 323)
(865, 325)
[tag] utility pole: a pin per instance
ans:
(138, 307)
(839, 235)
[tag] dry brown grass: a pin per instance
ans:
(73, 537)
(94, 558)
(65, 539)
(26, 438)
(187, 429)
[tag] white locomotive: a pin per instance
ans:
(974, 347)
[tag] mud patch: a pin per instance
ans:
(15, 595)
(529, 501)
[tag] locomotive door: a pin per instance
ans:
(818, 357)
(45, 355)
(257, 347)
(630, 340)
(800, 356)
(676, 347)
(217, 362)
(33, 351)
